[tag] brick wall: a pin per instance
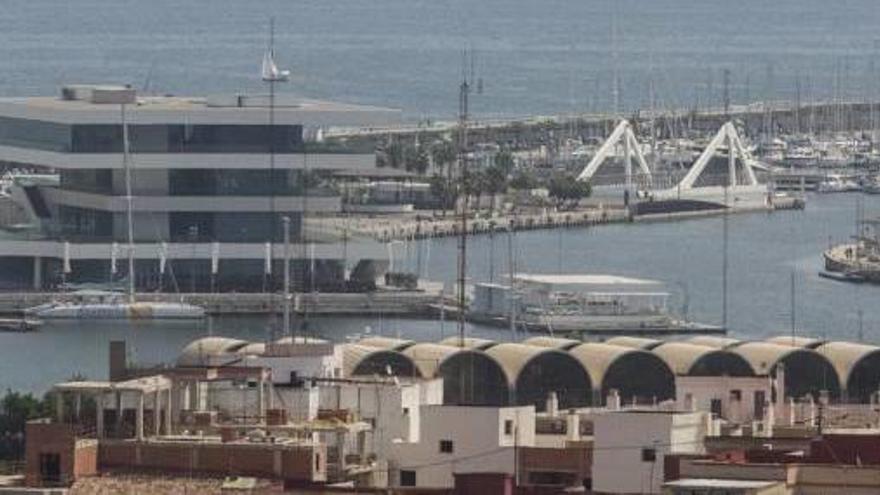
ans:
(265, 461)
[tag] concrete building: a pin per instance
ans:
(462, 439)
(630, 447)
(723, 487)
(833, 463)
(211, 180)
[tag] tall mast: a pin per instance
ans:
(464, 90)
(128, 204)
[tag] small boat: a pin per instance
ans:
(835, 183)
(19, 325)
(843, 276)
(872, 186)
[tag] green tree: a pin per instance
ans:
(442, 189)
(418, 161)
(443, 154)
(565, 188)
(16, 410)
(504, 162)
(523, 180)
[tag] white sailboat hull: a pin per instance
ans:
(121, 311)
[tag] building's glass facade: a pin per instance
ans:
(234, 182)
(98, 181)
(151, 138)
(231, 226)
(180, 138)
(84, 223)
(34, 134)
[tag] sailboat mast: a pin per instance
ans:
(128, 204)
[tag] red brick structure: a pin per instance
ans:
(55, 456)
(569, 466)
(306, 463)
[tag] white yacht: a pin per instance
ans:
(835, 183)
(581, 304)
(119, 309)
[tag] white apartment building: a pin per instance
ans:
(629, 447)
(461, 439)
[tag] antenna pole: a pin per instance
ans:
(463, 187)
(286, 222)
(792, 310)
(129, 204)
(724, 261)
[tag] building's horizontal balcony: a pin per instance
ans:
(238, 204)
(162, 161)
(353, 250)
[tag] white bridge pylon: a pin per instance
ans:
(735, 151)
(623, 134)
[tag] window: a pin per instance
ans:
(405, 411)
(446, 446)
(736, 395)
(649, 455)
(760, 399)
(407, 478)
(508, 427)
(318, 462)
(50, 468)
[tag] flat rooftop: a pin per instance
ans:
(706, 483)
(584, 279)
(217, 109)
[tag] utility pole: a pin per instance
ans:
(724, 253)
(463, 188)
(286, 322)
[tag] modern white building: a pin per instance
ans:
(462, 439)
(629, 447)
(212, 178)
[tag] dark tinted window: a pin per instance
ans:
(234, 182)
(230, 227)
(88, 180)
(180, 138)
(83, 222)
(35, 134)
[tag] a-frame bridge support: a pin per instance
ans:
(623, 134)
(728, 136)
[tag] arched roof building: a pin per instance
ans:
(551, 342)
(533, 372)
(806, 371)
(634, 342)
(428, 356)
(713, 341)
(389, 343)
(469, 342)
(472, 377)
(698, 360)
(200, 351)
(636, 374)
(805, 342)
(365, 360)
(857, 366)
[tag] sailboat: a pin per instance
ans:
(270, 71)
(116, 306)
